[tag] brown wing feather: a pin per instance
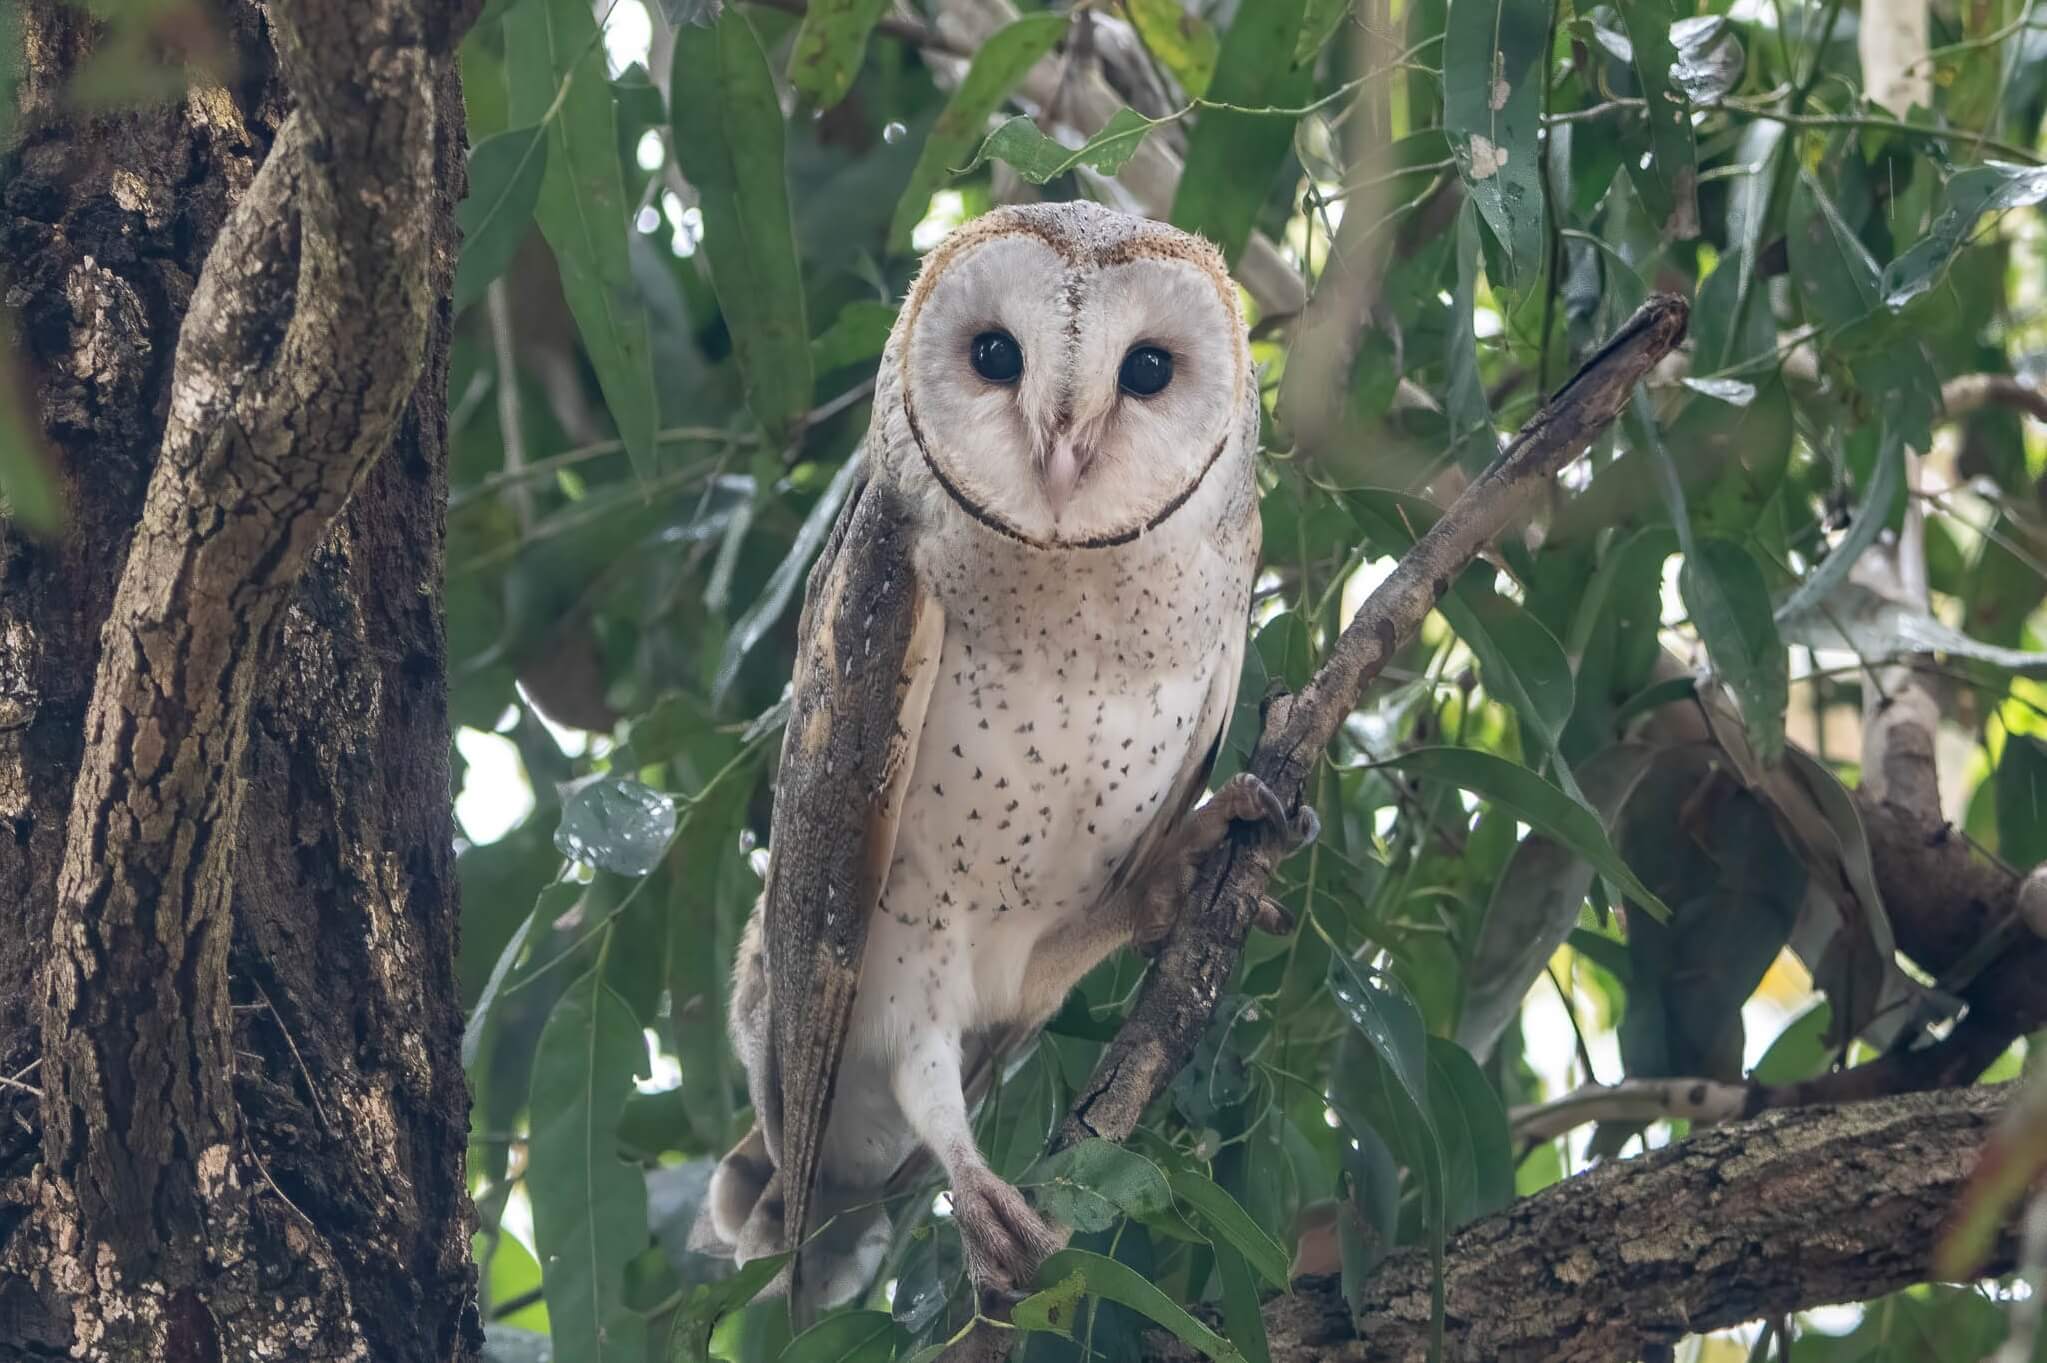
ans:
(867, 654)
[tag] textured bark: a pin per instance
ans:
(1759, 1218)
(227, 904)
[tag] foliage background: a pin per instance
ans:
(687, 235)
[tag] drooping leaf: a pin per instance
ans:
(589, 1208)
(2021, 784)
(1669, 184)
(728, 137)
(555, 900)
(1243, 1321)
(1471, 1123)
(1472, 437)
(1230, 1225)
(1536, 802)
(616, 825)
(582, 209)
(860, 332)
(689, 1334)
(1038, 158)
(830, 46)
(1873, 626)
(1088, 1185)
(1000, 63)
(1729, 602)
(1493, 52)
(505, 174)
(1839, 280)
(1100, 1276)
(1993, 188)
(846, 1337)
(1232, 157)
(1535, 902)
(1184, 42)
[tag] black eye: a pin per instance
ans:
(996, 356)
(1146, 371)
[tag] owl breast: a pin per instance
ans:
(1069, 702)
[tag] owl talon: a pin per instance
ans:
(1005, 1240)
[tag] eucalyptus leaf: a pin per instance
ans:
(1729, 602)
(728, 137)
(1996, 187)
(589, 1208)
(1493, 52)
(1184, 42)
(505, 174)
(616, 825)
(830, 46)
(582, 207)
(1038, 158)
(998, 65)
(1099, 1276)
(1232, 156)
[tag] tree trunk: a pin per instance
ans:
(237, 1118)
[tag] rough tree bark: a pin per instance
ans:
(1792, 1210)
(237, 1119)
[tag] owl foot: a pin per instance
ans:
(1005, 1240)
(1244, 798)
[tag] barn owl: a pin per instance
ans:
(1017, 656)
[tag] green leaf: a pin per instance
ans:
(1184, 43)
(859, 333)
(582, 209)
(505, 174)
(1669, 185)
(1232, 157)
(1387, 1089)
(1473, 440)
(554, 901)
(1871, 512)
(616, 825)
(1729, 602)
(1242, 1317)
(1320, 21)
(847, 1337)
(830, 47)
(1994, 188)
(2021, 790)
(1232, 1226)
(1839, 281)
(728, 138)
(1103, 1277)
(1800, 1050)
(689, 1334)
(1536, 802)
(1492, 109)
(1478, 1154)
(1000, 63)
(1038, 158)
(1535, 902)
(589, 1208)
(1087, 1185)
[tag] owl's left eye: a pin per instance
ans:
(1146, 371)
(996, 356)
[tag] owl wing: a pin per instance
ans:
(868, 646)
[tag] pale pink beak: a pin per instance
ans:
(1063, 466)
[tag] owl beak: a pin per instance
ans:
(1062, 468)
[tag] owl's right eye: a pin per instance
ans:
(996, 356)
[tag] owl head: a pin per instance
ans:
(1070, 374)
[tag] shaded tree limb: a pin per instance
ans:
(304, 339)
(1200, 952)
(1780, 1213)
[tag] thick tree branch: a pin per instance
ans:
(304, 337)
(1758, 1218)
(1201, 951)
